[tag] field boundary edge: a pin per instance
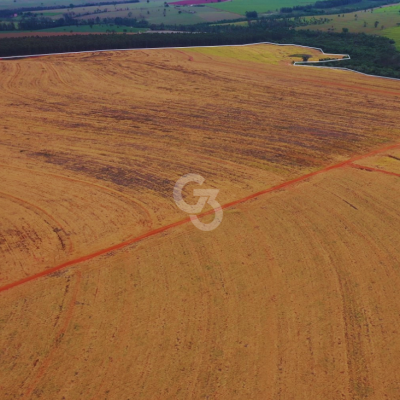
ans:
(297, 63)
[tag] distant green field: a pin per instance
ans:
(153, 12)
(109, 7)
(361, 21)
(393, 33)
(95, 29)
(261, 6)
(48, 13)
(7, 4)
(83, 29)
(390, 9)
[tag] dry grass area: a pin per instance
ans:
(257, 53)
(294, 296)
(388, 161)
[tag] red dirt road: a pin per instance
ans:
(184, 221)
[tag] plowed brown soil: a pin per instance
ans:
(294, 296)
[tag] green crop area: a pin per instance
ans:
(390, 9)
(10, 4)
(153, 12)
(49, 14)
(261, 6)
(95, 29)
(393, 33)
(82, 29)
(102, 10)
(373, 21)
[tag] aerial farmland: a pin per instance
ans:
(107, 288)
(384, 20)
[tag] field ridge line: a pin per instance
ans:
(371, 169)
(170, 48)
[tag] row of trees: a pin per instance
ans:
(370, 54)
(7, 26)
(33, 23)
(36, 23)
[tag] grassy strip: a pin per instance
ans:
(394, 34)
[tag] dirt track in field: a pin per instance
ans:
(312, 294)
(295, 295)
(162, 229)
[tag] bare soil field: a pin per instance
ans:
(294, 296)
